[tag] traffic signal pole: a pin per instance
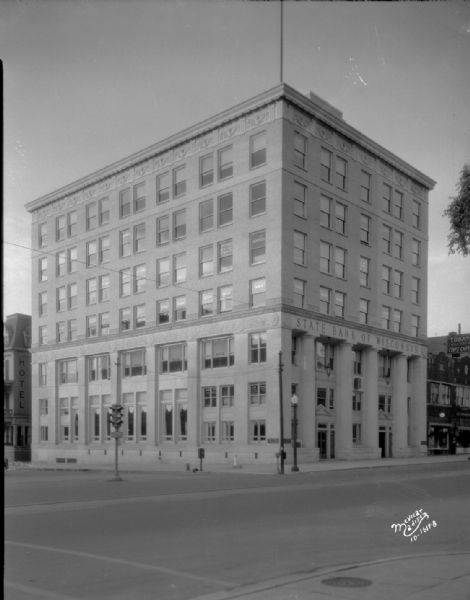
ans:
(116, 452)
(116, 421)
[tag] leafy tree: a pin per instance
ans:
(458, 212)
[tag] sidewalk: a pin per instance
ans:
(421, 577)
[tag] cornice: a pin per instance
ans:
(315, 108)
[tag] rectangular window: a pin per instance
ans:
(300, 248)
(72, 223)
(415, 252)
(325, 165)
(257, 348)
(224, 256)
(72, 295)
(91, 291)
(42, 235)
(258, 292)
(387, 239)
(179, 308)
(225, 209)
(139, 238)
(43, 433)
(356, 400)
(173, 358)
(386, 317)
(104, 283)
(139, 196)
(104, 215)
(91, 254)
(91, 326)
(139, 316)
(397, 283)
(43, 407)
(179, 181)
(397, 320)
(415, 290)
(206, 303)
(91, 216)
(325, 257)
(42, 374)
(365, 186)
(300, 150)
(206, 261)
(363, 311)
(224, 298)
(209, 396)
(365, 229)
(61, 263)
(225, 162)
(218, 352)
(257, 150)
(386, 279)
(72, 260)
(340, 263)
(140, 278)
(325, 300)
(340, 301)
(299, 293)
(228, 431)
(163, 230)
(414, 325)
(364, 264)
(61, 298)
(42, 335)
(125, 243)
(356, 434)
(179, 225)
(61, 332)
(125, 282)
(179, 268)
(387, 198)
(341, 172)
(68, 371)
(258, 431)
(103, 323)
(206, 170)
(104, 245)
(398, 205)
(99, 367)
(60, 228)
(42, 269)
(124, 203)
(42, 303)
(325, 212)
(257, 198)
(163, 187)
(398, 244)
(163, 311)
(257, 247)
(124, 319)
(210, 431)
(340, 218)
(300, 199)
(257, 393)
(163, 271)
(416, 214)
(206, 215)
(133, 363)
(72, 329)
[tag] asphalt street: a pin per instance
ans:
(176, 536)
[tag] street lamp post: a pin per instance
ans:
(294, 402)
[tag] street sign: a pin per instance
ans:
(116, 434)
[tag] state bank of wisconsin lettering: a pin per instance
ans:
(356, 336)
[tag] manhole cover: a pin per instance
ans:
(347, 582)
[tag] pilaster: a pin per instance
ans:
(399, 407)
(343, 369)
(418, 417)
(370, 413)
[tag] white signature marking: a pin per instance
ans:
(412, 527)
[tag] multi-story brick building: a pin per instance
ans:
(170, 282)
(17, 387)
(448, 394)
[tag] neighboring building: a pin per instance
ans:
(449, 394)
(170, 282)
(17, 387)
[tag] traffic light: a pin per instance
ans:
(116, 417)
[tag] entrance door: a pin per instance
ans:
(321, 441)
(332, 441)
(382, 441)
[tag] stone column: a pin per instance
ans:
(370, 409)
(152, 386)
(307, 400)
(194, 386)
(343, 370)
(417, 416)
(83, 408)
(399, 407)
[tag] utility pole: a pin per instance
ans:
(282, 40)
(281, 418)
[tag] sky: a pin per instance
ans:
(88, 82)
